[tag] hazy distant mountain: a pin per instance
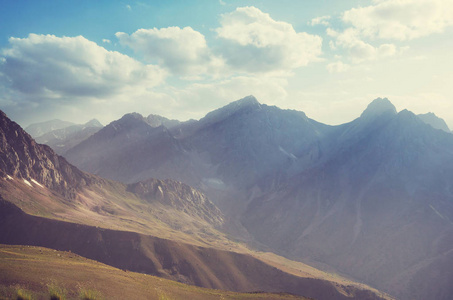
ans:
(125, 148)
(60, 140)
(38, 129)
(434, 121)
(380, 208)
(226, 153)
(249, 142)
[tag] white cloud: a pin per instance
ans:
(107, 41)
(401, 19)
(44, 77)
(320, 21)
(254, 42)
(182, 51)
(222, 2)
(129, 8)
(337, 67)
(358, 50)
(369, 29)
(198, 99)
(71, 66)
(386, 50)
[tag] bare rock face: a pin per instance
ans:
(179, 196)
(22, 157)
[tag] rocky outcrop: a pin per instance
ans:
(22, 157)
(178, 196)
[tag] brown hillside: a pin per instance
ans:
(145, 254)
(71, 272)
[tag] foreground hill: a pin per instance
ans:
(42, 183)
(205, 267)
(75, 274)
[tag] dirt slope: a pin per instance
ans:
(72, 273)
(145, 254)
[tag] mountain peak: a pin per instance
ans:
(132, 116)
(435, 122)
(249, 100)
(156, 121)
(377, 107)
(245, 104)
(93, 123)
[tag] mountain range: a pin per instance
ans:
(160, 227)
(371, 199)
(62, 139)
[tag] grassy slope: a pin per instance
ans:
(33, 268)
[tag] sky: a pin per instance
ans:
(83, 59)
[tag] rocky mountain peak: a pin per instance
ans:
(248, 100)
(378, 107)
(408, 115)
(244, 105)
(156, 121)
(127, 122)
(22, 157)
(132, 116)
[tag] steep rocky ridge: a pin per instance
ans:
(21, 156)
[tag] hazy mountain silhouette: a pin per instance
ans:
(38, 129)
(60, 140)
(434, 121)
